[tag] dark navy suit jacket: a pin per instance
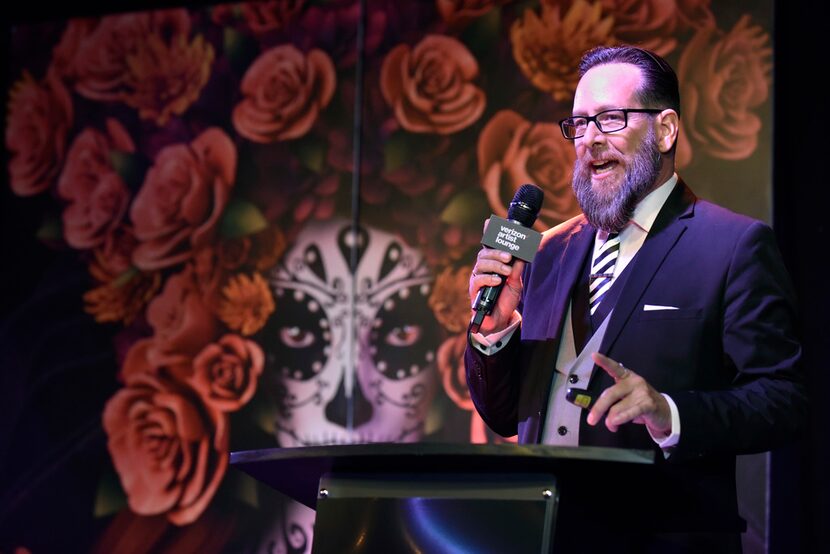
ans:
(728, 355)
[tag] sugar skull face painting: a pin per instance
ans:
(333, 390)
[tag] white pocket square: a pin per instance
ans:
(657, 307)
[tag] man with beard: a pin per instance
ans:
(676, 315)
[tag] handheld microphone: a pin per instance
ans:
(513, 235)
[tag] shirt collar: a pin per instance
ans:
(646, 211)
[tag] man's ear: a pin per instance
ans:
(668, 126)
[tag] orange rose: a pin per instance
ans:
(170, 452)
(182, 198)
(97, 195)
(724, 76)
(430, 87)
(450, 360)
(181, 321)
(167, 75)
(548, 47)
(450, 299)
(284, 91)
(513, 151)
(225, 373)
(651, 24)
(39, 118)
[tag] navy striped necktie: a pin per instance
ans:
(602, 270)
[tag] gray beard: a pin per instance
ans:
(612, 213)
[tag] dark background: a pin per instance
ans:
(799, 489)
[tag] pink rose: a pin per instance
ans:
(181, 321)
(513, 151)
(170, 451)
(226, 372)
(285, 91)
(97, 195)
(430, 86)
(182, 198)
(39, 117)
(724, 77)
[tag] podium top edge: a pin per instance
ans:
(442, 450)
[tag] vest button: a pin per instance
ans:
(562, 430)
(573, 378)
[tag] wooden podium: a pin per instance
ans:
(436, 497)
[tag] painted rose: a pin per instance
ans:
(166, 75)
(548, 46)
(170, 451)
(101, 65)
(458, 13)
(430, 87)
(284, 92)
(513, 151)
(331, 26)
(39, 117)
(272, 15)
(449, 300)
(182, 323)
(226, 372)
(450, 360)
(651, 24)
(179, 205)
(725, 77)
(97, 195)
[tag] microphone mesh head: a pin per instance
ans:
(526, 205)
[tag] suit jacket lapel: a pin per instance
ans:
(664, 233)
(578, 245)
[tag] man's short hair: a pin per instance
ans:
(660, 89)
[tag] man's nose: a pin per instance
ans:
(592, 133)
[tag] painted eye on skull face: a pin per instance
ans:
(295, 337)
(404, 334)
(298, 337)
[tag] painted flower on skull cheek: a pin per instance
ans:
(284, 92)
(724, 76)
(184, 193)
(430, 87)
(39, 117)
(170, 451)
(513, 151)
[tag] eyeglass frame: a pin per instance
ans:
(590, 118)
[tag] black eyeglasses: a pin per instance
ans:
(609, 121)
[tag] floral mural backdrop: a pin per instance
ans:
(213, 268)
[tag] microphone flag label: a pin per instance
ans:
(509, 236)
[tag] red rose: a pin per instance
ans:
(284, 90)
(170, 452)
(182, 198)
(97, 195)
(181, 321)
(39, 118)
(430, 86)
(225, 373)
